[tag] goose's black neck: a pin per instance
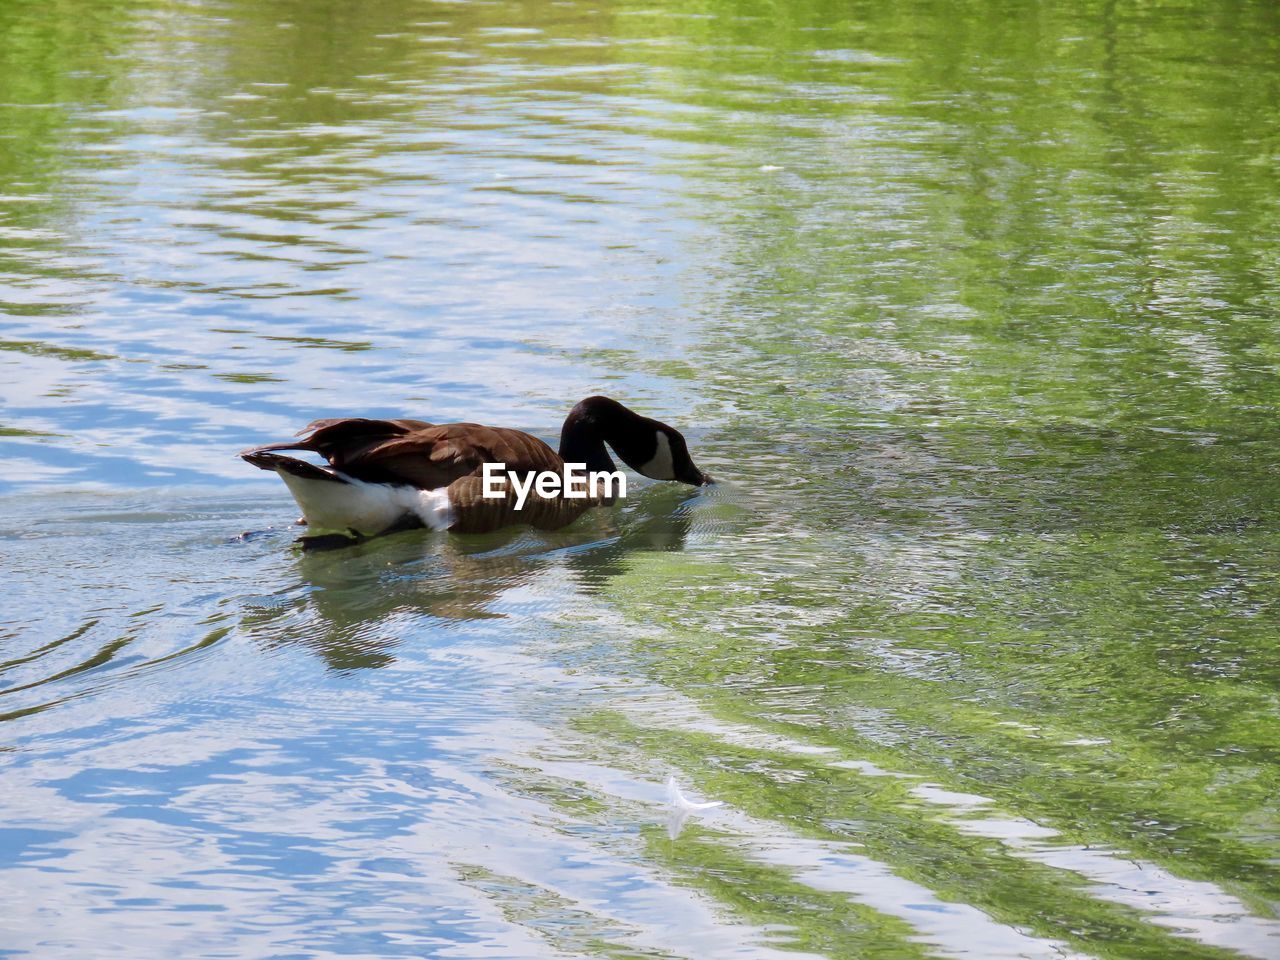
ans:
(648, 447)
(585, 429)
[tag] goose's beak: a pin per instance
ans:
(695, 477)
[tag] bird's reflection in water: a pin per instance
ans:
(657, 520)
(353, 606)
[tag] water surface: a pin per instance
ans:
(971, 307)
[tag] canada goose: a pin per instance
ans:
(388, 475)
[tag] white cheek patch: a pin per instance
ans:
(661, 466)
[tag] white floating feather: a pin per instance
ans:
(683, 803)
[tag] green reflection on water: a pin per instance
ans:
(1004, 325)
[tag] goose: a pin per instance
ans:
(383, 476)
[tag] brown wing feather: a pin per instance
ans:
(341, 439)
(431, 456)
(357, 423)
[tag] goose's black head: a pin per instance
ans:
(647, 446)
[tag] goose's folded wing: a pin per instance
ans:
(347, 439)
(336, 427)
(344, 438)
(435, 456)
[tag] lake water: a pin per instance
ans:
(973, 309)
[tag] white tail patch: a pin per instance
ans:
(367, 508)
(661, 467)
